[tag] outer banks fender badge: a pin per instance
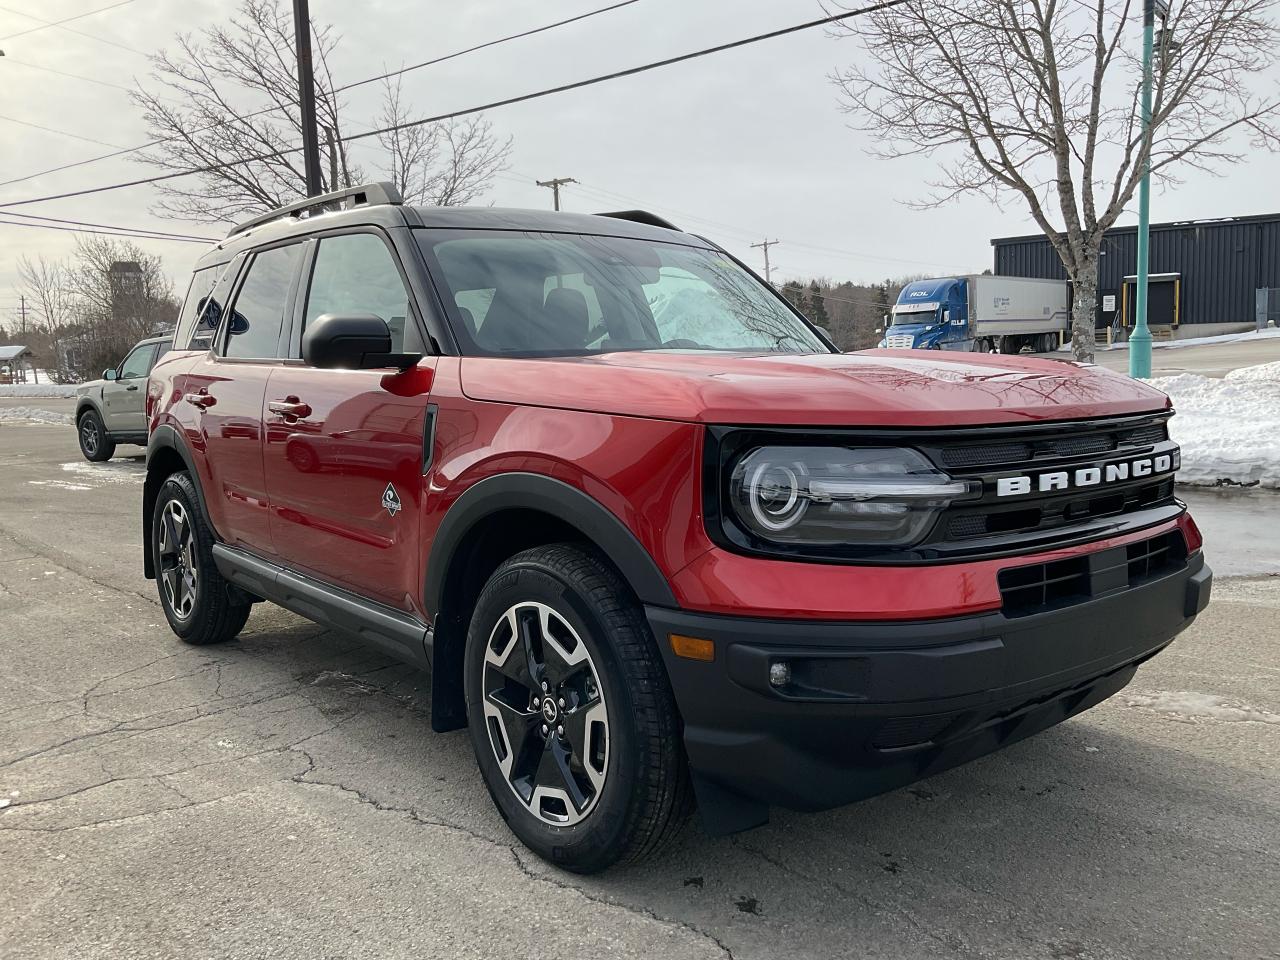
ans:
(391, 500)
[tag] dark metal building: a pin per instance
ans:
(1202, 271)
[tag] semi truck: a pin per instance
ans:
(980, 313)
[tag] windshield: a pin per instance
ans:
(541, 294)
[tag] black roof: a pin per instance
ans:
(392, 215)
(1167, 225)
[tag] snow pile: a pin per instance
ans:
(1229, 428)
(37, 390)
(34, 415)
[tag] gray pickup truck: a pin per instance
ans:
(114, 409)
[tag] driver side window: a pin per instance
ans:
(138, 362)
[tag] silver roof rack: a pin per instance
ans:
(367, 194)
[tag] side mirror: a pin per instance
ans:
(358, 341)
(109, 373)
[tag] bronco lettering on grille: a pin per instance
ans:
(1079, 477)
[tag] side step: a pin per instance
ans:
(392, 631)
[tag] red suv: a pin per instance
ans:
(657, 540)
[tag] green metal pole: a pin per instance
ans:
(1140, 339)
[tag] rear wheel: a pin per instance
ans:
(197, 601)
(572, 719)
(95, 444)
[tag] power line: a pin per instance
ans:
(81, 33)
(58, 23)
(114, 226)
(108, 233)
(63, 133)
(492, 105)
(63, 73)
(341, 89)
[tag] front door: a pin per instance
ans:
(124, 399)
(344, 449)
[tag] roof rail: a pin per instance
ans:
(641, 216)
(365, 194)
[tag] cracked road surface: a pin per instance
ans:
(283, 796)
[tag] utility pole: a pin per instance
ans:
(22, 314)
(768, 276)
(555, 186)
(1140, 339)
(307, 97)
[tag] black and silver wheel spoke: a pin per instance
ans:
(545, 713)
(177, 567)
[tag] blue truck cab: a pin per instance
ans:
(930, 315)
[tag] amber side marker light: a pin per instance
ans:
(692, 648)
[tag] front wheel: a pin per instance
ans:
(95, 444)
(571, 716)
(196, 600)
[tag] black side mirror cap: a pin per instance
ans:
(355, 341)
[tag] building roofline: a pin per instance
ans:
(1168, 225)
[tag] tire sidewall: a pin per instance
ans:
(102, 452)
(177, 487)
(603, 832)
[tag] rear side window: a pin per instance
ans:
(355, 273)
(202, 283)
(257, 316)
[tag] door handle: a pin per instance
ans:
(291, 408)
(201, 400)
(132, 387)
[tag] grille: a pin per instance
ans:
(1065, 511)
(1041, 586)
(900, 342)
(1090, 441)
(1151, 558)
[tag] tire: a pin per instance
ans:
(615, 729)
(95, 443)
(194, 596)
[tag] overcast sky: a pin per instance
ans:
(741, 145)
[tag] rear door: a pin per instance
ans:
(227, 387)
(124, 399)
(344, 448)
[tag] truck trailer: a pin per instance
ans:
(980, 313)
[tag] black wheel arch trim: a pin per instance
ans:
(534, 491)
(166, 437)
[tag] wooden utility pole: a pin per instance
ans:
(307, 97)
(765, 245)
(555, 186)
(333, 158)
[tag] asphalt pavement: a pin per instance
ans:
(283, 796)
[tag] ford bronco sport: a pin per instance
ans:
(113, 410)
(657, 540)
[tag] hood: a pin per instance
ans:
(870, 388)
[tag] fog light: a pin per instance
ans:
(779, 673)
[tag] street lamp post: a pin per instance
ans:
(1140, 339)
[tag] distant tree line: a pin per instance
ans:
(85, 312)
(851, 313)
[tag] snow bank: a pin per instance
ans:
(33, 415)
(1229, 429)
(37, 390)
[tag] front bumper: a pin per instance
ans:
(873, 706)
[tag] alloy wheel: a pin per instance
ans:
(177, 564)
(545, 713)
(89, 435)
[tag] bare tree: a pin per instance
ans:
(445, 164)
(227, 98)
(44, 284)
(119, 294)
(1040, 100)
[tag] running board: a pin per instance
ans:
(391, 631)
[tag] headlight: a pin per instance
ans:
(829, 496)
